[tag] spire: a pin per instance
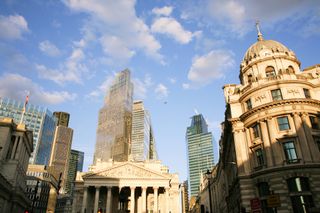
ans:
(260, 37)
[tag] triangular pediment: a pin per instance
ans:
(127, 170)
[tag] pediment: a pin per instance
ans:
(127, 171)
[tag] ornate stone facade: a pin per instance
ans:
(127, 187)
(270, 146)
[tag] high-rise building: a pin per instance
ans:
(115, 117)
(61, 147)
(142, 143)
(75, 164)
(200, 151)
(38, 119)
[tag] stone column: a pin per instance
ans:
(84, 201)
(266, 143)
(302, 138)
(108, 206)
(167, 199)
(155, 195)
(144, 199)
(310, 140)
(276, 148)
(96, 199)
(14, 147)
(132, 199)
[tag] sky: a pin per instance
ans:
(180, 53)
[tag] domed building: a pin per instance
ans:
(270, 145)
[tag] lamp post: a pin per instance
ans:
(208, 175)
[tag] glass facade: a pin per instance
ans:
(142, 143)
(75, 164)
(200, 152)
(38, 119)
(114, 122)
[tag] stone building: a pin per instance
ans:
(127, 187)
(15, 149)
(270, 146)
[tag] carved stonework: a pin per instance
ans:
(293, 91)
(260, 98)
(128, 170)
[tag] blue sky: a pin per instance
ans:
(180, 53)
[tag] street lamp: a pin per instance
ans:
(208, 175)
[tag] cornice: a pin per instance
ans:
(274, 104)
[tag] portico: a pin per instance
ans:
(127, 187)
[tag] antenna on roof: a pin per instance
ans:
(260, 37)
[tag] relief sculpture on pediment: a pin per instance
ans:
(127, 172)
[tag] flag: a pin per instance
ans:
(27, 100)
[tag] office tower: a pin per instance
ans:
(38, 119)
(62, 118)
(200, 151)
(142, 143)
(114, 122)
(75, 164)
(61, 147)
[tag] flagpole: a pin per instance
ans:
(24, 108)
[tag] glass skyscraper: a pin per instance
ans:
(142, 143)
(200, 151)
(38, 119)
(115, 119)
(75, 164)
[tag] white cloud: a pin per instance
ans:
(13, 26)
(239, 16)
(141, 86)
(115, 47)
(117, 21)
(172, 80)
(185, 86)
(165, 11)
(172, 28)
(210, 66)
(161, 91)
(48, 48)
(16, 86)
(71, 70)
(102, 89)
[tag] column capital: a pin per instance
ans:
(144, 187)
(156, 187)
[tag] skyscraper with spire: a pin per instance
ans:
(200, 151)
(115, 119)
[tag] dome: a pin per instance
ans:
(265, 48)
(262, 47)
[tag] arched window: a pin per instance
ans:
(290, 69)
(270, 72)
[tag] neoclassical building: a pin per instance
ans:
(270, 145)
(127, 187)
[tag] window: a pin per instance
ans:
(249, 104)
(306, 93)
(256, 131)
(290, 152)
(259, 157)
(314, 120)
(283, 123)
(276, 94)
(318, 143)
(299, 188)
(263, 189)
(270, 72)
(298, 184)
